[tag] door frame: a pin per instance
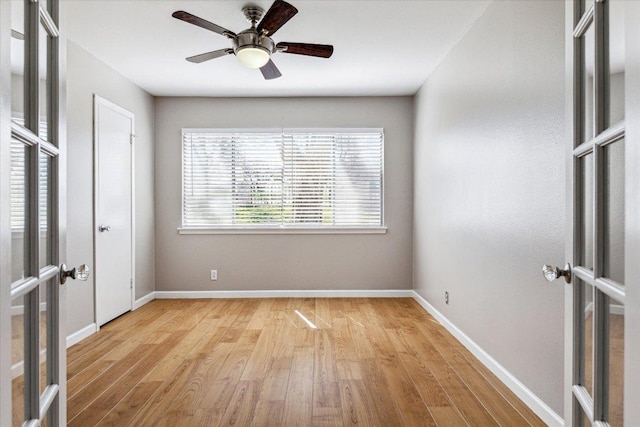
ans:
(5, 222)
(632, 218)
(97, 102)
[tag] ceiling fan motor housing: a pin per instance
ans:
(251, 40)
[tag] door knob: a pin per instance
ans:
(552, 273)
(103, 228)
(81, 273)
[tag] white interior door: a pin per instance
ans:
(114, 130)
(602, 304)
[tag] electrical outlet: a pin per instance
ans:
(446, 297)
(214, 274)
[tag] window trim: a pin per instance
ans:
(279, 229)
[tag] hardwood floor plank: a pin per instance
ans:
(128, 407)
(325, 391)
(268, 414)
(274, 385)
(447, 416)
(243, 403)
(298, 405)
(76, 351)
(79, 381)
(118, 390)
(260, 357)
(406, 396)
(154, 409)
(78, 402)
(88, 358)
(378, 387)
(344, 343)
(262, 314)
(357, 405)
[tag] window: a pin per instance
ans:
(282, 179)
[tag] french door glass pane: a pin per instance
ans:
(586, 171)
(46, 4)
(45, 210)
(17, 330)
(616, 363)
(18, 210)
(616, 60)
(17, 60)
(613, 212)
(17, 401)
(587, 333)
(44, 292)
(17, 360)
(44, 82)
(588, 43)
(583, 5)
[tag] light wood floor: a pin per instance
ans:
(370, 362)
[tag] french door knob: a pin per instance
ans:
(81, 273)
(103, 228)
(552, 273)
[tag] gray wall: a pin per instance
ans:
(259, 262)
(88, 76)
(489, 189)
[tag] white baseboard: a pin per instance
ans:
(383, 293)
(83, 333)
(616, 309)
(548, 415)
(145, 299)
(17, 310)
(18, 368)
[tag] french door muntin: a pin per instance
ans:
(598, 217)
(36, 293)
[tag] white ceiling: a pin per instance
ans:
(382, 47)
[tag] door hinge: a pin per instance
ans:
(132, 139)
(130, 283)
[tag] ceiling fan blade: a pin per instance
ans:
(196, 59)
(270, 71)
(17, 35)
(203, 23)
(277, 15)
(309, 49)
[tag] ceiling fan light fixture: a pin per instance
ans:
(253, 57)
(254, 46)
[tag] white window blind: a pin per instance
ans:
(19, 181)
(291, 178)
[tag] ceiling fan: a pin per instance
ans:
(254, 46)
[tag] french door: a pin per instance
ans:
(32, 362)
(602, 304)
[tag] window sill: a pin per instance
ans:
(283, 230)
